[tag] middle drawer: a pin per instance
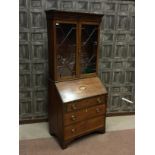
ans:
(83, 114)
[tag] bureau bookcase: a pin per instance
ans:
(77, 98)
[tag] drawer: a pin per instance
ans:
(83, 127)
(84, 103)
(83, 114)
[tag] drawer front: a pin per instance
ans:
(83, 127)
(83, 114)
(84, 103)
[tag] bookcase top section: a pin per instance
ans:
(54, 14)
(79, 89)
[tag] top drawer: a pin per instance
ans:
(84, 103)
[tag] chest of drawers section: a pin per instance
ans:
(84, 116)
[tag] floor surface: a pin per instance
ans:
(120, 142)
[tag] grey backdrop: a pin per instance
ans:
(117, 52)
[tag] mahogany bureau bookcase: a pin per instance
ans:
(77, 97)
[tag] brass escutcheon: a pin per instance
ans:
(82, 88)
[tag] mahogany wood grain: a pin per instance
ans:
(79, 89)
(83, 127)
(83, 114)
(73, 16)
(85, 103)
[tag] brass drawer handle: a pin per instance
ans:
(73, 130)
(99, 100)
(97, 110)
(74, 107)
(73, 117)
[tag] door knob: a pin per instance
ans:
(73, 130)
(74, 107)
(97, 110)
(73, 117)
(99, 100)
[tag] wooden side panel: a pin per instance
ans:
(55, 112)
(50, 30)
(60, 124)
(52, 109)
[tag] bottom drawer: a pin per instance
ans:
(83, 127)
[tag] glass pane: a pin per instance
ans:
(88, 49)
(66, 49)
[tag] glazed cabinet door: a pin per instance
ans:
(66, 50)
(89, 47)
(76, 47)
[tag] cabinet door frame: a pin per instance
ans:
(78, 49)
(97, 56)
(55, 51)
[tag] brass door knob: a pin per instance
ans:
(97, 110)
(99, 100)
(73, 117)
(74, 107)
(73, 130)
